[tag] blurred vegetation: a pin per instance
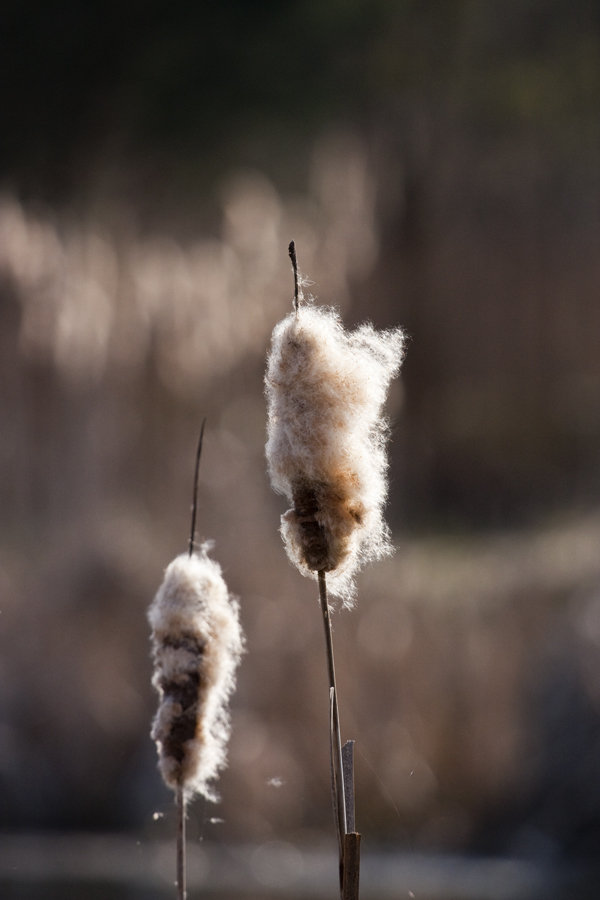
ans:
(190, 84)
(437, 164)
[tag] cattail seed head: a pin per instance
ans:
(325, 389)
(197, 642)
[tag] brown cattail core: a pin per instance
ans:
(315, 543)
(183, 691)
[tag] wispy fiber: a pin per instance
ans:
(197, 642)
(326, 388)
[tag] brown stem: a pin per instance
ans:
(336, 743)
(181, 880)
(348, 765)
(351, 851)
(195, 496)
(351, 867)
(292, 252)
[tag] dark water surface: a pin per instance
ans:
(66, 867)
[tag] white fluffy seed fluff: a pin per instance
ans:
(197, 642)
(326, 388)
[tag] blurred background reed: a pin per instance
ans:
(437, 164)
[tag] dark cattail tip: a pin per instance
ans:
(195, 489)
(292, 253)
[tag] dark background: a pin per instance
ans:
(437, 164)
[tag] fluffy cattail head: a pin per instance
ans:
(325, 449)
(197, 642)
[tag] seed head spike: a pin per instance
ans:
(326, 388)
(195, 497)
(292, 252)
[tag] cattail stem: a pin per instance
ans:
(294, 260)
(197, 641)
(336, 743)
(348, 765)
(351, 866)
(351, 849)
(181, 874)
(195, 492)
(180, 797)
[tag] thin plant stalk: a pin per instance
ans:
(197, 642)
(317, 456)
(195, 490)
(348, 765)
(292, 253)
(337, 766)
(351, 866)
(181, 866)
(180, 795)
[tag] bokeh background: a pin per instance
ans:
(438, 165)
